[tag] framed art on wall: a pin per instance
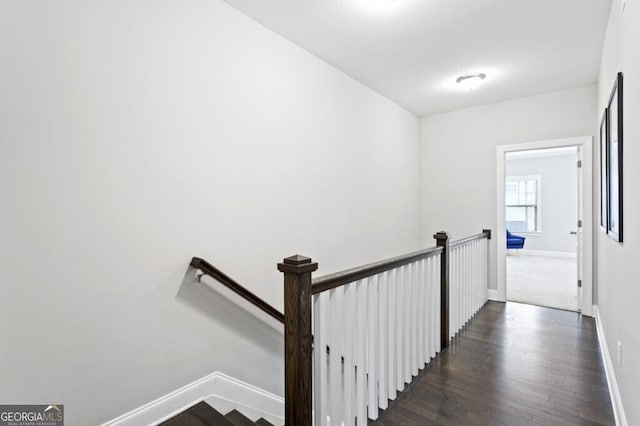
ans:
(604, 175)
(614, 161)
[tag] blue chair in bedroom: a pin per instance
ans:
(514, 241)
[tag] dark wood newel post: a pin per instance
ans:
(488, 265)
(442, 240)
(298, 374)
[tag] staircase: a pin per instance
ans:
(202, 414)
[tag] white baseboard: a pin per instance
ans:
(218, 390)
(546, 253)
(614, 391)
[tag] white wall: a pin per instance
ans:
(558, 202)
(459, 155)
(618, 269)
(135, 134)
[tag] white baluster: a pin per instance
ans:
(392, 314)
(474, 288)
(463, 292)
(461, 313)
(480, 270)
(320, 383)
(419, 308)
(471, 286)
(421, 314)
(335, 355)
(407, 322)
(460, 288)
(372, 346)
(400, 324)
(383, 344)
(350, 309)
(478, 277)
(463, 287)
(361, 352)
(453, 296)
(468, 267)
(436, 303)
(413, 304)
(461, 283)
(434, 322)
(467, 281)
(428, 309)
(474, 277)
(481, 277)
(486, 270)
(469, 299)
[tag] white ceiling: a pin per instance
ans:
(411, 51)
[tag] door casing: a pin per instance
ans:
(585, 302)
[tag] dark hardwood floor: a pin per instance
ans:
(513, 364)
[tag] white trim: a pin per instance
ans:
(614, 391)
(545, 253)
(585, 142)
(552, 152)
(214, 388)
(530, 233)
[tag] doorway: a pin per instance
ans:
(541, 216)
(528, 216)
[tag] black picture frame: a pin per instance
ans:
(604, 174)
(614, 161)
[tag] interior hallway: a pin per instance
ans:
(513, 364)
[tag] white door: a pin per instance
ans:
(579, 228)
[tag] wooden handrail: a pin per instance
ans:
(327, 282)
(330, 281)
(486, 233)
(233, 285)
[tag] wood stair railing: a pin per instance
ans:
(224, 279)
(299, 287)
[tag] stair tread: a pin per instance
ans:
(201, 414)
(263, 422)
(238, 419)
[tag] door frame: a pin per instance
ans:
(586, 145)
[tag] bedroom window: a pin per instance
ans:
(522, 200)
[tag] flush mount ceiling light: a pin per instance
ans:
(471, 81)
(380, 8)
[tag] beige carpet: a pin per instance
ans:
(542, 280)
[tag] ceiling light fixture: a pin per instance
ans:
(379, 8)
(471, 81)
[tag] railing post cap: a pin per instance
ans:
(298, 264)
(441, 235)
(296, 260)
(488, 232)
